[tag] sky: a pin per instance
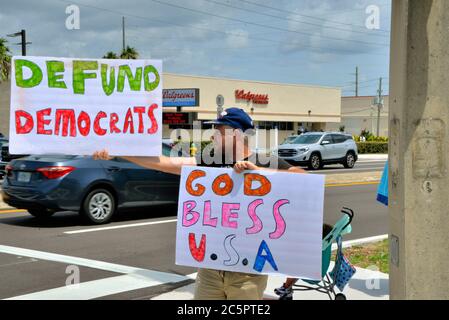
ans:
(317, 42)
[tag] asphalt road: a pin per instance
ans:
(360, 166)
(149, 247)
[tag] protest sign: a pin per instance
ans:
(78, 106)
(256, 222)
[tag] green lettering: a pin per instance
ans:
(150, 86)
(134, 81)
(108, 88)
(79, 75)
(55, 80)
(36, 73)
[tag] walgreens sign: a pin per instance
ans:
(251, 97)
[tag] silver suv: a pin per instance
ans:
(315, 149)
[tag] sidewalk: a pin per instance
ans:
(353, 178)
(364, 285)
(373, 156)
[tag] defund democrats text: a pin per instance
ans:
(77, 106)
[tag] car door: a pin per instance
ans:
(327, 149)
(141, 186)
(134, 182)
(339, 146)
(167, 184)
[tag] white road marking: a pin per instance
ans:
(120, 226)
(18, 262)
(93, 289)
(134, 278)
(41, 255)
(95, 264)
(96, 288)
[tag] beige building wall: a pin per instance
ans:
(358, 113)
(287, 102)
(318, 106)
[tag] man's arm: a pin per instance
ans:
(296, 170)
(241, 166)
(171, 165)
(163, 163)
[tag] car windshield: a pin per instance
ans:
(306, 139)
(289, 140)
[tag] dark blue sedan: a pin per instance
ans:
(45, 184)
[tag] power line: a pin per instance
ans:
(350, 83)
(351, 112)
(289, 19)
(264, 26)
(307, 16)
(354, 10)
(193, 27)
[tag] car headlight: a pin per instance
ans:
(302, 150)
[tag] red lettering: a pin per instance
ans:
(154, 124)
(112, 123)
(41, 122)
(140, 111)
(129, 122)
(198, 253)
(248, 96)
(97, 129)
(27, 126)
(66, 115)
(84, 118)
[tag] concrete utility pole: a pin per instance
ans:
(356, 81)
(418, 150)
(379, 105)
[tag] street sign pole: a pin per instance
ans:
(220, 103)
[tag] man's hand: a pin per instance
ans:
(102, 155)
(241, 166)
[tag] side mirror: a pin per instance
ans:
(324, 142)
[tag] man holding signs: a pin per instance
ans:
(239, 225)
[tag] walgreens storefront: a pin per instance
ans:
(285, 107)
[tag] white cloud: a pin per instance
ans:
(237, 39)
(187, 42)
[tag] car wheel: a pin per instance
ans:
(98, 206)
(315, 162)
(349, 160)
(41, 213)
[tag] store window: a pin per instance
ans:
(180, 126)
(269, 125)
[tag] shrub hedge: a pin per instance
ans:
(372, 147)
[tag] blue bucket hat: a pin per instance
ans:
(234, 117)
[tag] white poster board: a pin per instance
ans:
(78, 106)
(255, 222)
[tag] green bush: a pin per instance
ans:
(371, 138)
(372, 147)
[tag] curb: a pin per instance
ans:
(357, 242)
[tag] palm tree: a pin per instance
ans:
(5, 60)
(129, 53)
(110, 55)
